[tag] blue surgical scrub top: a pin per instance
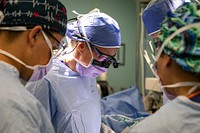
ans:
(178, 116)
(20, 111)
(71, 101)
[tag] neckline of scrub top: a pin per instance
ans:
(8, 67)
(64, 66)
(195, 96)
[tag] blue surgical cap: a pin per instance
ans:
(100, 29)
(156, 11)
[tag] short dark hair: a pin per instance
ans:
(11, 35)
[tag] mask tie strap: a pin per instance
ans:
(193, 89)
(14, 58)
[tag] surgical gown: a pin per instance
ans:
(123, 109)
(20, 112)
(178, 116)
(72, 101)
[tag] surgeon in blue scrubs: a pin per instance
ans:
(177, 66)
(69, 91)
(152, 25)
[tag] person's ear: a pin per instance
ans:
(81, 47)
(34, 34)
(167, 60)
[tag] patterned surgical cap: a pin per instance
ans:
(184, 48)
(50, 14)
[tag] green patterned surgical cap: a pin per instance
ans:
(184, 48)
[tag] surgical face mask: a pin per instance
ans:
(90, 70)
(39, 71)
(166, 96)
(194, 85)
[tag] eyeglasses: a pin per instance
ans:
(104, 59)
(106, 63)
(61, 45)
(102, 56)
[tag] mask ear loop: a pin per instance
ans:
(48, 42)
(16, 59)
